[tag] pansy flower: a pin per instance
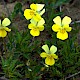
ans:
(35, 12)
(49, 54)
(62, 27)
(3, 28)
(36, 27)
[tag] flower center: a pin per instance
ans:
(35, 29)
(31, 12)
(50, 56)
(62, 31)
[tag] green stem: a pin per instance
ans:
(4, 45)
(31, 42)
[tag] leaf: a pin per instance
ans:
(18, 7)
(20, 65)
(3, 62)
(12, 66)
(17, 74)
(60, 2)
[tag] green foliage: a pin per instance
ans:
(22, 59)
(61, 2)
(17, 10)
(9, 67)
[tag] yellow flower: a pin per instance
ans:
(36, 27)
(62, 27)
(35, 12)
(49, 54)
(3, 28)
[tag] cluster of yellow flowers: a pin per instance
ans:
(37, 24)
(37, 21)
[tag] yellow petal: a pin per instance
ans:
(7, 29)
(56, 28)
(57, 20)
(54, 56)
(28, 13)
(67, 28)
(66, 20)
(3, 33)
(41, 28)
(45, 48)
(31, 26)
(39, 7)
(53, 49)
(37, 17)
(41, 22)
(33, 6)
(35, 32)
(42, 12)
(6, 22)
(43, 54)
(33, 21)
(62, 36)
(49, 61)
